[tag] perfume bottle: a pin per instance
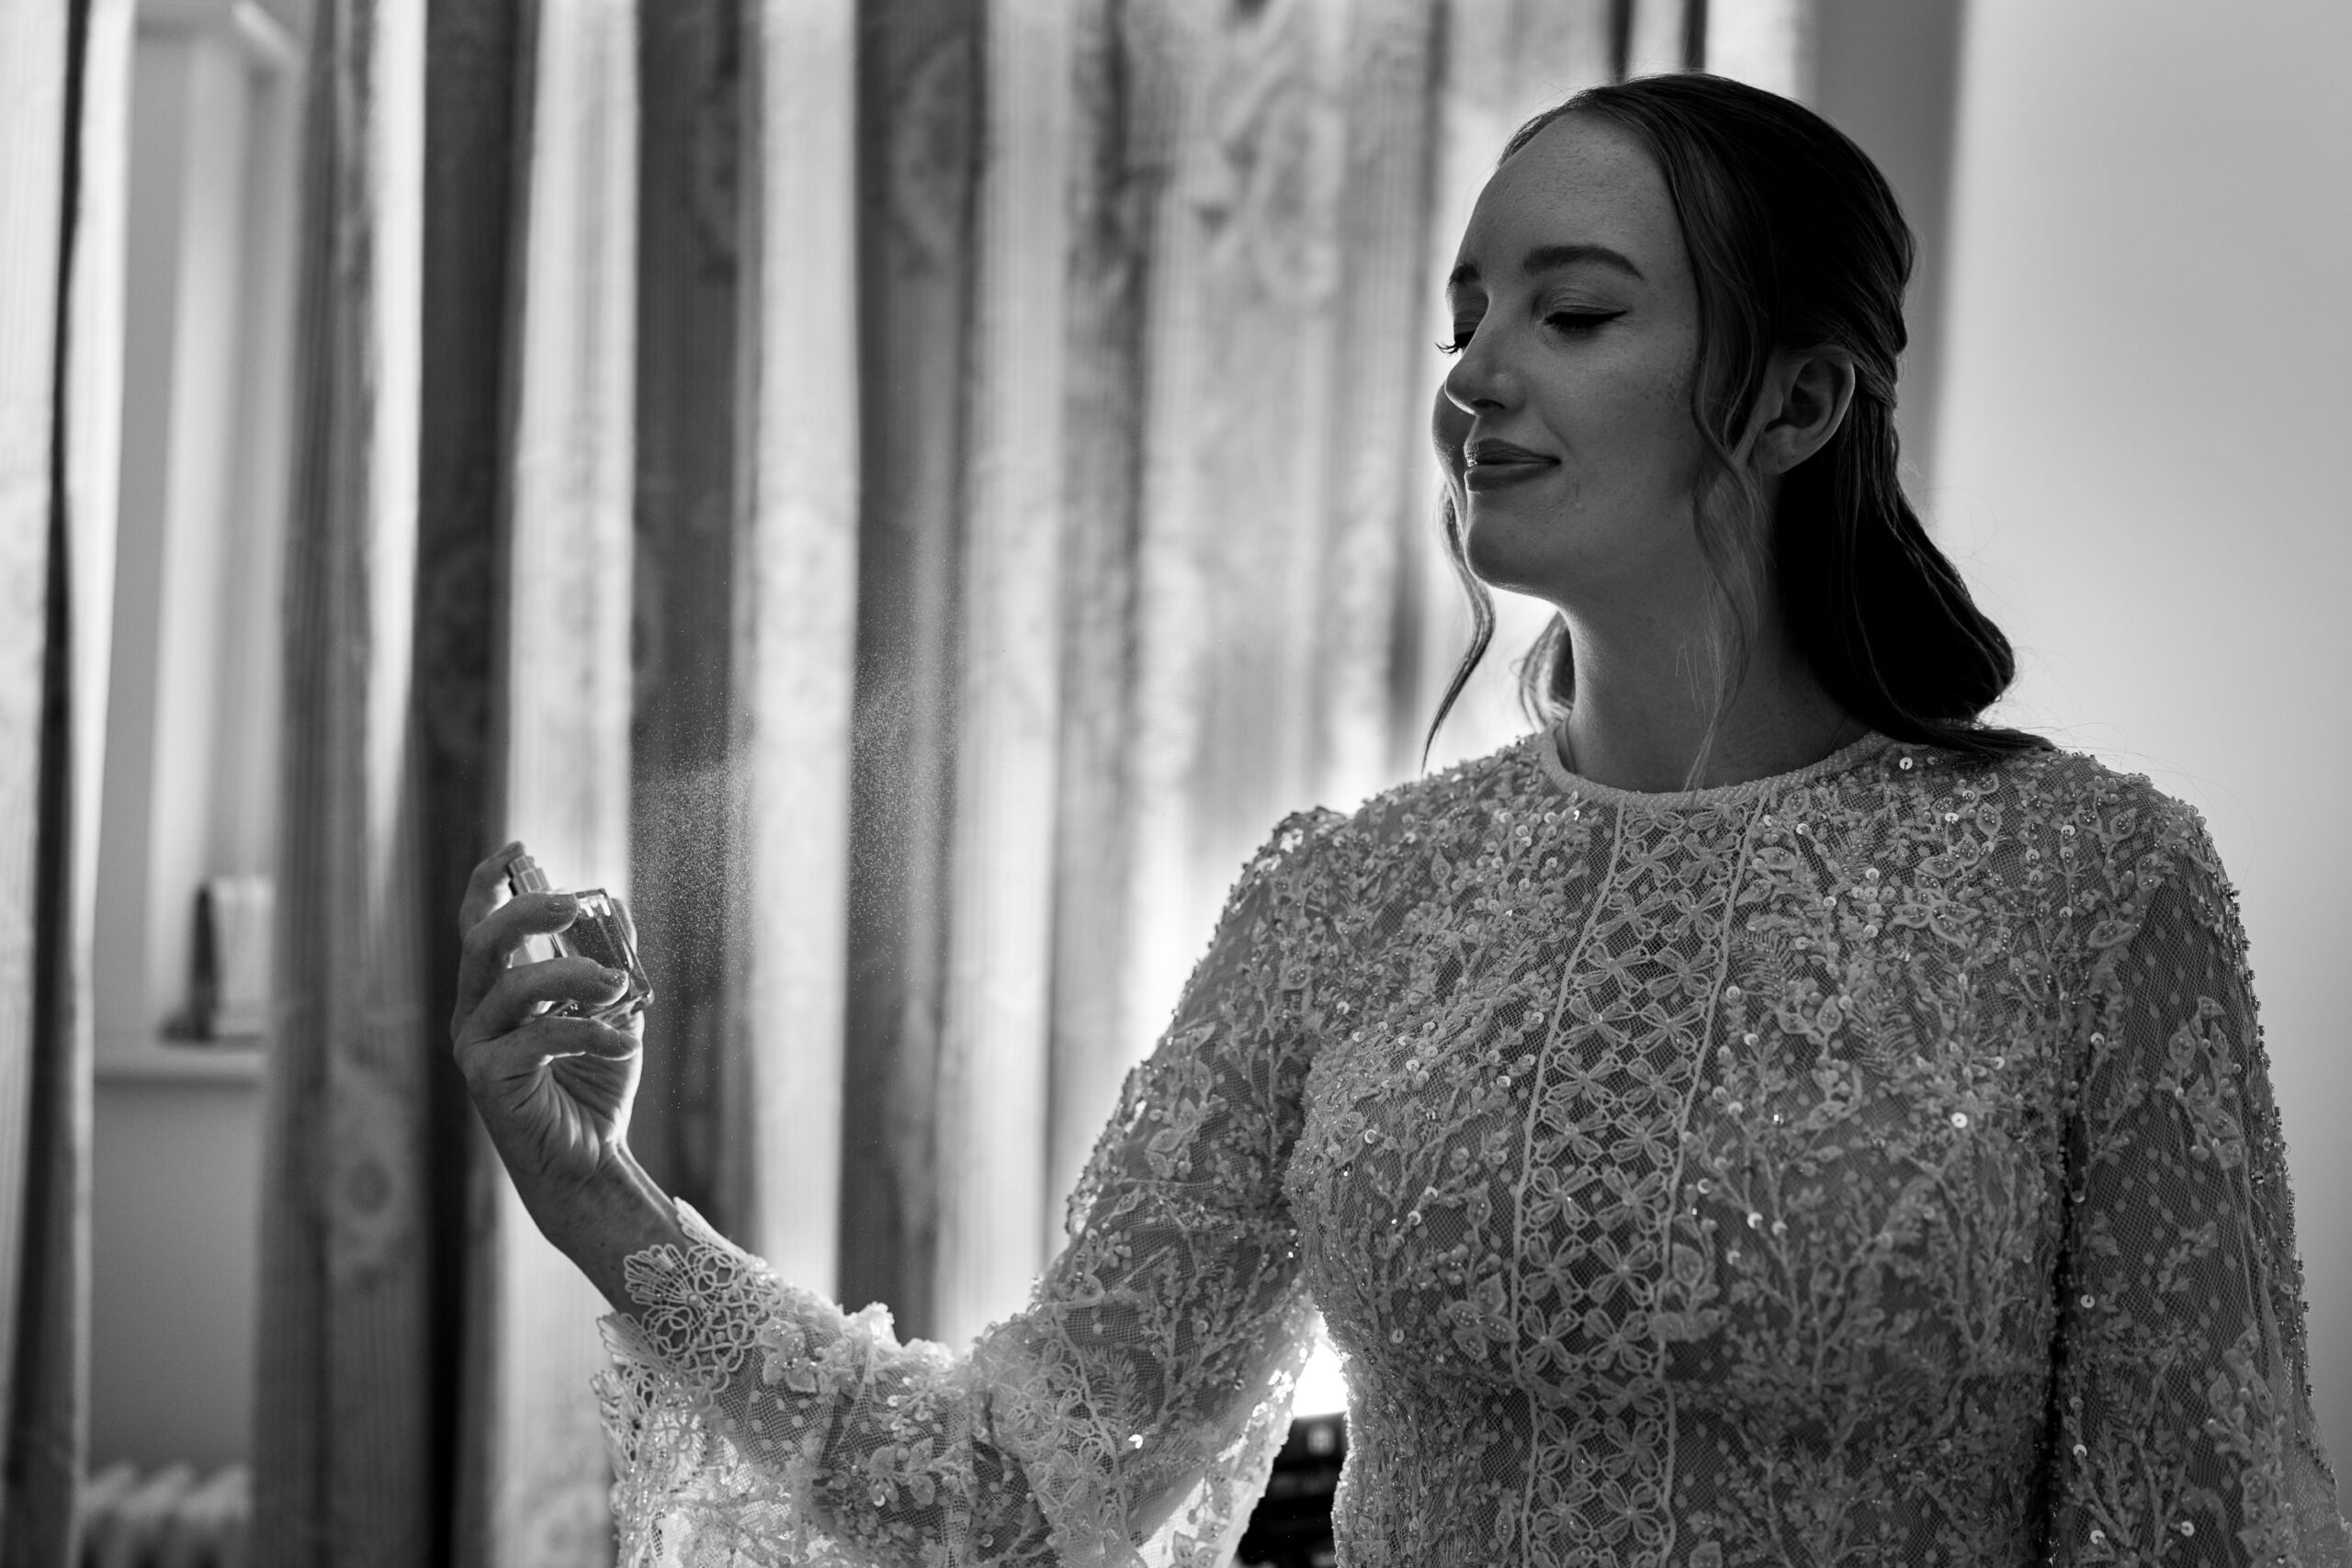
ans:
(601, 932)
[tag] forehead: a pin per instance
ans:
(1579, 182)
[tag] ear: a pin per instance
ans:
(1801, 405)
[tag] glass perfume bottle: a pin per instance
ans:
(601, 932)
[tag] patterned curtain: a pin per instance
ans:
(63, 139)
(459, 669)
(1138, 284)
(341, 1458)
(926, 768)
(1147, 548)
(905, 491)
(1148, 554)
(475, 653)
(563, 705)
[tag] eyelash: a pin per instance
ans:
(1582, 321)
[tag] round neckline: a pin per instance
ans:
(1546, 745)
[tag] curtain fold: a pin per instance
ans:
(1288, 256)
(992, 1100)
(466, 340)
(687, 833)
(795, 609)
(1121, 139)
(342, 1458)
(919, 134)
(1238, 517)
(562, 756)
(63, 137)
(475, 74)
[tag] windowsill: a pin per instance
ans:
(155, 1061)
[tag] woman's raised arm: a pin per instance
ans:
(1127, 1415)
(555, 1093)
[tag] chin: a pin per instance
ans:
(1500, 560)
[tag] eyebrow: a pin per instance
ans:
(1551, 258)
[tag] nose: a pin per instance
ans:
(1479, 381)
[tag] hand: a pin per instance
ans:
(555, 1093)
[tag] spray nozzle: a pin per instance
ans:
(524, 876)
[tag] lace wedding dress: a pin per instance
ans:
(1873, 1164)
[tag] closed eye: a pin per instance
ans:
(1580, 321)
(1559, 320)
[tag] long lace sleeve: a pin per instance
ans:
(1128, 1416)
(2183, 1429)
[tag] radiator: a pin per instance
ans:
(170, 1518)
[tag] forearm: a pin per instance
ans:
(601, 1224)
(833, 1431)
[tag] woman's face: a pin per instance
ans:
(1564, 425)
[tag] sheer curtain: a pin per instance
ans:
(467, 661)
(459, 669)
(63, 129)
(905, 489)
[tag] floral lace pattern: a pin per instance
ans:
(1873, 1164)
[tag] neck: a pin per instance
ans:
(1641, 706)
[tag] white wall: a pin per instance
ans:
(192, 714)
(2139, 466)
(173, 1207)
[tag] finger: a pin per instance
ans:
(490, 942)
(622, 1015)
(514, 999)
(487, 889)
(583, 1037)
(543, 1040)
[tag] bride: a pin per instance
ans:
(1765, 1116)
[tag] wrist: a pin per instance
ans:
(601, 1222)
(636, 1204)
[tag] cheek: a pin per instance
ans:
(1657, 433)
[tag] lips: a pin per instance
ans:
(1493, 451)
(1494, 464)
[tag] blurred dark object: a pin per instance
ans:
(229, 991)
(1292, 1526)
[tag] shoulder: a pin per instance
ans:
(1297, 851)
(2109, 843)
(1342, 863)
(1462, 801)
(2135, 828)
(1462, 798)
(2071, 803)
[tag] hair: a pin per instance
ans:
(1796, 242)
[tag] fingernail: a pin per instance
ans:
(616, 977)
(559, 902)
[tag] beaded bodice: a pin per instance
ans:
(1871, 1165)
